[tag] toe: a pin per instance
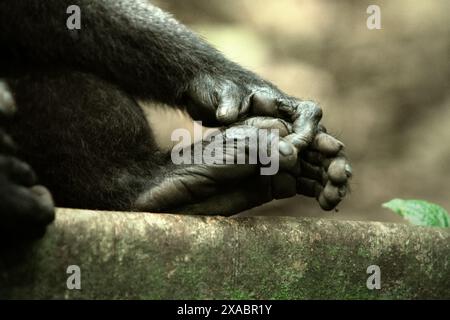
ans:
(337, 172)
(327, 144)
(309, 187)
(331, 196)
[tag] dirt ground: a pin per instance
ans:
(385, 93)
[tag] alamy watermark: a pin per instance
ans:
(74, 280)
(73, 22)
(374, 20)
(374, 280)
(215, 147)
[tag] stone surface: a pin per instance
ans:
(157, 256)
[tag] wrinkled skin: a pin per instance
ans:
(231, 188)
(219, 102)
(322, 172)
(79, 91)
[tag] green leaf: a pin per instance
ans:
(420, 212)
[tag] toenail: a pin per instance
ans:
(348, 170)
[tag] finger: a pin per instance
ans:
(324, 204)
(17, 171)
(313, 157)
(25, 213)
(306, 118)
(227, 109)
(305, 115)
(245, 106)
(308, 187)
(326, 144)
(25, 206)
(339, 171)
(288, 156)
(277, 153)
(45, 212)
(263, 145)
(326, 162)
(6, 143)
(264, 104)
(269, 123)
(331, 196)
(270, 126)
(312, 172)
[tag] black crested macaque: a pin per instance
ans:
(68, 101)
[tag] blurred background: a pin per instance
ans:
(385, 93)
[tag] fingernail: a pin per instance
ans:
(285, 148)
(348, 170)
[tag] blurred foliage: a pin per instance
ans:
(420, 212)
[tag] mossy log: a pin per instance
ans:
(163, 256)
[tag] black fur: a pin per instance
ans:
(88, 140)
(131, 43)
(78, 123)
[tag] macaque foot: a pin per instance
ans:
(322, 170)
(325, 171)
(249, 166)
(236, 184)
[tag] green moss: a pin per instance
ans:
(146, 256)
